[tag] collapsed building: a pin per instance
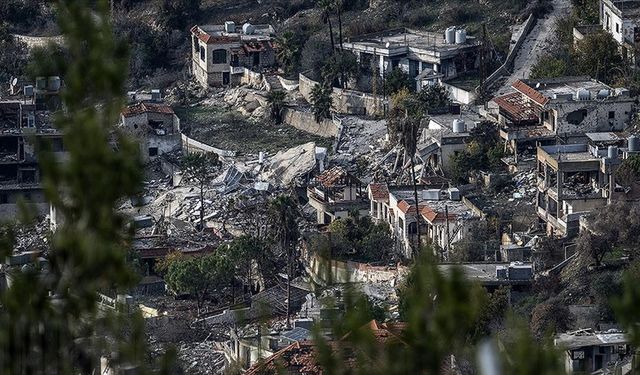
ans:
(586, 351)
(444, 217)
(220, 53)
(545, 110)
(25, 122)
(155, 126)
(335, 193)
(575, 179)
(428, 56)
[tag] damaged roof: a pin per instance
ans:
(379, 192)
(530, 92)
(336, 176)
(517, 108)
(140, 108)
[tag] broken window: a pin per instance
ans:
(541, 202)
(153, 151)
(579, 183)
(219, 56)
(202, 53)
(576, 117)
(612, 114)
(553, 208)
(256, 59)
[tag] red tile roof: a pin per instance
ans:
(379, 192)
(432, 216)
(139, 108)
(530, 92)
(408, 208)
(518, 108)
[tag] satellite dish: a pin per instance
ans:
(538, 85)
(14, 81)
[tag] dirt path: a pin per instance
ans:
(537, 44)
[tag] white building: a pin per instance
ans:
(155, 125)
(220, 53)
(444, 218)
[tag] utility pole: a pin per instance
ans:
(483, 64)
(446, 217)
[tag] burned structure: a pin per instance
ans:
(155, 126)
(220, 53)
(541, 111)
(25, 122)
(428, 56)
(575, 179)
(335, 193)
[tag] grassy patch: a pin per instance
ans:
(229, 130)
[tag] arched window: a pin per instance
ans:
(219, 56)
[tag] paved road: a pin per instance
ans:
(539, 41)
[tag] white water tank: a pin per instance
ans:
(248, 29)
(612, 152)
(583, 94)
(603, 94)
(450, 35)
(461, 36)
(155, 95)
(54, 83)
(633, 143)
(230, 27)
(459, 126)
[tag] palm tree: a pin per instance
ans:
(276, 100)
(321, 101)
(284, 224)
(287, 51)
(327, 7)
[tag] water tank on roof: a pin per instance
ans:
(461, 36)
(450, 35)
(248, 29)
(28, 90)
(230, 27)
(431, 194)
(41, 83)
(612, 152)
(454, 194)
(603, 94)
(155, 95)
(583, 94)
(54, 84)
(459, 126)
(633, 143)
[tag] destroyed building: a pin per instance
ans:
(418, 53)
(25, 121)
(566, 108)
(335, 193)
(588, 352)
(155, 126)
(220, 53)
(445, 136)
(444, 217)
(575, 179)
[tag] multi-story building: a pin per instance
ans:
(155, 126)
(444, 217)
(428, 56)
(335, 193)
(544, 110)
(24, 123)
(575, 179)
(621, 18)
(220, 53)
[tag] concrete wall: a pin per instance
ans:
(306, 121)
(508, 64)
(597, 115)
(345, 101)
(321, 269)
(191, 145)
(460, 95)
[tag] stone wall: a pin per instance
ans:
(306, 121)
(322, 269)
(345, 101)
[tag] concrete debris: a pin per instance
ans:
(287, 166)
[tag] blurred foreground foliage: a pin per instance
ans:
(50, 322)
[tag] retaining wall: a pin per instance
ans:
(306, 121)
(345, 101)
